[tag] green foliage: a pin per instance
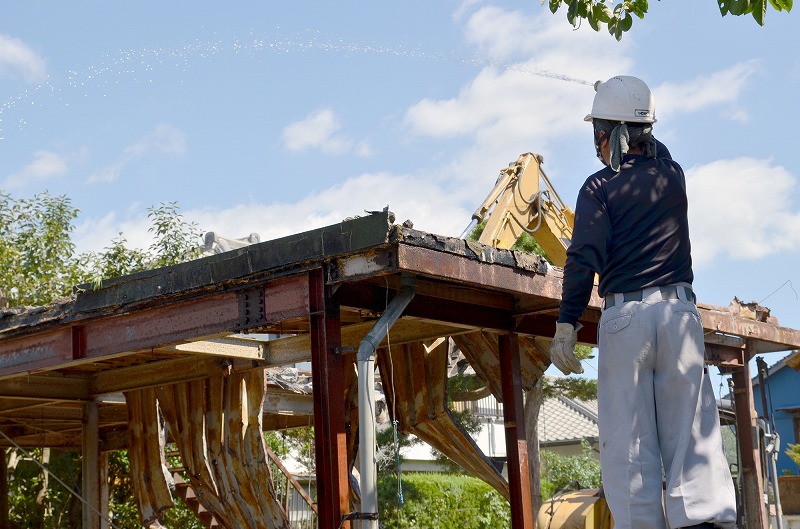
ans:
(441, 501)
(125, 514)
(570, 387)
(565, 472)
(175, 241)
(37, 263)
(36, 500)
(300, 443)
(794, 453)
(618, 17)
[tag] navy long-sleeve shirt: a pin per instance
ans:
(631, 228)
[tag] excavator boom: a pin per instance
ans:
(524, 201)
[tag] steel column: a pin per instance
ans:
(327, 372)
(516, 441)
(747, 431)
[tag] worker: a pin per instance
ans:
(657, 409)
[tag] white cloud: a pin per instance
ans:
(45, 165)
(414, 197)
(517, 107)
(319, 130)
(164, 138)
(19, 61)
(741, 209)
(710, 90)
(523, 99)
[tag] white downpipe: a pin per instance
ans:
(366, 397)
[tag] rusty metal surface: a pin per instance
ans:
(143, 331)
(327, 371)
(516, 440)
(415, 384)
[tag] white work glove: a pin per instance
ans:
(562, 350)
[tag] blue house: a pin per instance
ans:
(783, 397)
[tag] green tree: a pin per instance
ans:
(565, 472)
(441, 501)
(794, 453)
(38, 265)
(37, 255)
(618, 17)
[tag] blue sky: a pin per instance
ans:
(278, 117)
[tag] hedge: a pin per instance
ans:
(441, 501)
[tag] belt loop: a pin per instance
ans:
(619, 299)
(681, 290)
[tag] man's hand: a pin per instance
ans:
(562, 350)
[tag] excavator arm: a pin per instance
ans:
(524, 201)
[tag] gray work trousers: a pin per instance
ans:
(657, 410)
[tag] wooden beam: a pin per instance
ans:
(3, 491)
(47, 387)
(294, 349)
(164, 372)
(90, 467)
(278, 400)
(227, 347)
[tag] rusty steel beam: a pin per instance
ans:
(108, 337)
(747, 433)
(286, 298)
(516, 440)
(777, 338)
(441, 305)
(453, 267)
(327, 371)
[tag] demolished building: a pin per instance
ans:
(100, 370)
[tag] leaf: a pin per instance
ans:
(614, 28)
(740, 7)
(554, 5)
(759, 11)
(572, 12)
(776, 4)
(583, 8)
(594, 21)
(724, 7)
(639, 8)
(626, 23)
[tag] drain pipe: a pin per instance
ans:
(366, 398)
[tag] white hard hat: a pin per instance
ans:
(623, 98)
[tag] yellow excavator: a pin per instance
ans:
(524, 201)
